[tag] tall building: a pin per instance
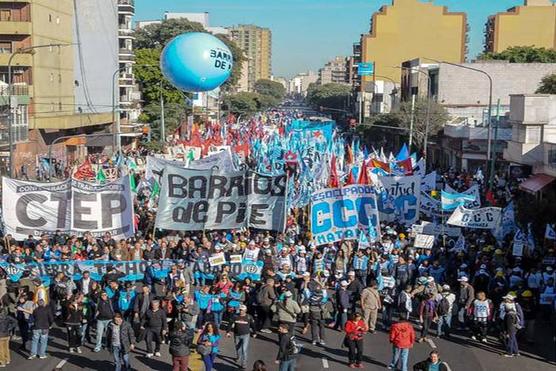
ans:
(126, 60)
(335, 71)
(409, 29)
(57, 90)
(299, 84)
(531, 24)
(256, 43)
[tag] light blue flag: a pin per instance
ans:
(403, 154)
(450, 201)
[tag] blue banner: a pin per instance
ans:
(400, 198)
(344, 213)
(365, 68)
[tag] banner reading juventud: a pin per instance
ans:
(193, 200)
(74, 207)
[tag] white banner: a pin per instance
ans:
(485, 218)
(424, 241)
(345, 213)
(194, 200)
(435, 229)
(71, 206)
(155, 167)
(428, 182)
(399, 198)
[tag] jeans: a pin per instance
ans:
(85, 329)
(180, 363)
(399, 354)
(217, 316)
(444, 321)
(209, 361)
(242, 347)
(153, 334)
(387, 317)
(24, 331)
(317, 327)
(287, 365)
(39, 343)
(512, 343)
(341, 319)
(427, 321)
(102, 324)
(121, 358)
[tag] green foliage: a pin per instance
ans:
(402, 119)
(155, 146)
(270, 88)
(174, 113)
(523, 54)
(548, 85)
(328, 95)
(243, 103)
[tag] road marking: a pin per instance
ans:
(431, 343)
(61, 364)
(324, 363)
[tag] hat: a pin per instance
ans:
(242, 307)
(351, 273)
(549, 269)
(509, 296)
(463, 279)
(483, 266)
(498, 252)
(288, 294)
(446, 287)
(306, 274)
(343, 283)
(527, 294)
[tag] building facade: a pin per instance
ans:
(61, 90)
(335, 71)
(532, 24)
(256, 43)
(299, 84)
(410, 28)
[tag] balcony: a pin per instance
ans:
(126, 79)
(126, 6)
(15, 28)
(125, 51)
(127, 58)
(125, 33)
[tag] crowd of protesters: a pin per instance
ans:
(482, 292)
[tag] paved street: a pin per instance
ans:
(461, 353)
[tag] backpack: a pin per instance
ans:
(443, 306)
(261, 295)
(293, 348)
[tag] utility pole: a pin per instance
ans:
(493, 156)
(162, 124)
(411, 121)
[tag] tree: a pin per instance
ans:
(523, 54)
(271, 88)
(548, 85)
(243, 103)
(438, 117)
(156, 36)
(174, 113)
(328, 95)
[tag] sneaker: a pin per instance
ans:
(72, 350)
(266, 331)
(314, 342)
(352, 365)
(43, 357)
(322, 343)
(390, 367)
(474, 337)
(96, 350)
(157, 354)
(79, 350)
(484, 341)
(507, 355)
(32, 356)
(2, 365)
(149, 355)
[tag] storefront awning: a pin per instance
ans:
(536, 183)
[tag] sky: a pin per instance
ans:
(308, 33)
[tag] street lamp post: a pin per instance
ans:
(26, 50)
(429, 99)
(490, 156)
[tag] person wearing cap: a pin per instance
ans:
(243, 326)
(529, 306)
(343, 306)
(43, 321)
(511, 323)
(444, 309)
(465, 298)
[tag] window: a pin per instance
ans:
(552, 156)
(5, 15)
(5, 46)
(50, 18)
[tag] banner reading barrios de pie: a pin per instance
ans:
(193, 200)
(71, 206)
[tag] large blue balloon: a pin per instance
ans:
(196, 61)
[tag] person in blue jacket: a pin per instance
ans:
(210, 339)
(126, 300)
(203, 297)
